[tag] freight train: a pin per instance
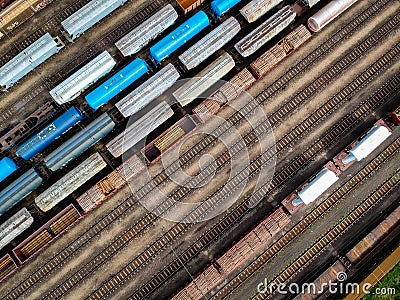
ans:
(99, 67)
(243, 251)
(310, 191)
(70, 88)
(353, 257)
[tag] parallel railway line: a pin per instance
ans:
(182, 191)
(373, 199)
(49, 26)
(65, 254)
(76, 62)
(281, 177)
(323, 208)
(273, 90)
(178, 229)
(279, 115)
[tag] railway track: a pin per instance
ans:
(377, 196)
(67, 253)
(134, 266)
(281, 177)
(178, 229)
(322, 209)
(49, 26)
(300, 98)
(108, 40)
(76, 62)
(272, 90)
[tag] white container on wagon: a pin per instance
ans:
(14, 226)
(329, 12)
(147, 31)
(74, 85)
(210, 44)
(28, 59)
(201, 82)
(93, 12)
(266, 31)
(148, 91)
(139, 129)
(70, 182)
(257, 8)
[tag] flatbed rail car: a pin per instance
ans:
(49, 133)
(7, 267)
(239, 83)
(90, 14)
(235, 256)
(18, 12)
(70, 182)
(257, 8)
(204, 80)
(111, 183)
(266, 31)
(139, 129)
(200, 285)
(43, 113)
(210, 43)
(168, 139)
(79, 143)
(227, 92)
(359, 251)
(47, 233)
(189, 5)
(14, 226)
(328, 13)
(78, 82)
(7, 167)
(148, 91)
(247, 246)
(179, 36)
(285, 47)
(28, 59)
(147, 31)
(321, 284)
(309, 191)
(313, 188)
(118, 82)
(363, 146)
(19, 189)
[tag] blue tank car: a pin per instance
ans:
(178, 37)
(41, 140)
(118, 82)
(7, 167)
(219, 7)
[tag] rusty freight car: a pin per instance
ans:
(189, 5)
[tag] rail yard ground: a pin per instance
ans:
(57, 281)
